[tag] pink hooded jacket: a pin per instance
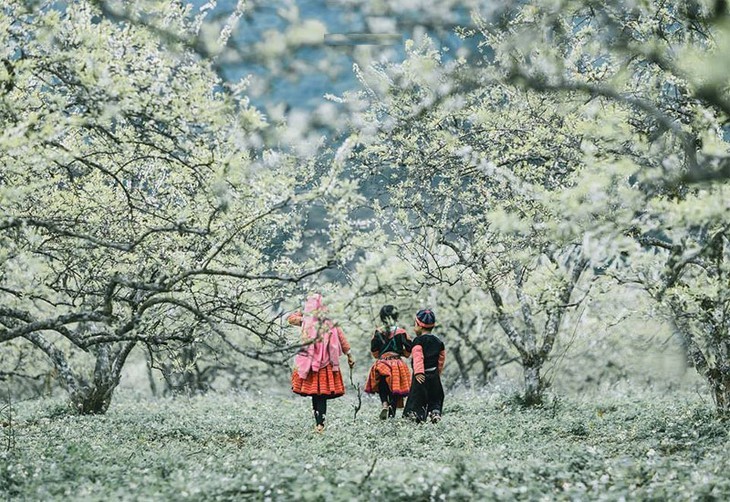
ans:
(326, 349)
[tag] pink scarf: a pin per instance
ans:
(326, 349)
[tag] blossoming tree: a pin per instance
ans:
(133, 209)
(655, 73)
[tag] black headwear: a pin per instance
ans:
(426, 318)
(388, 312)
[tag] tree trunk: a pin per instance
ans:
(533, 382)
(717, 374)
(719, 379)
(88, 397)
(95, 397)
(462, 366)
(151, 377)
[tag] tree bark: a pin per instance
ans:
(95, 398)
(533, 382)
(462, 366)
(716, 374)
(720, 384)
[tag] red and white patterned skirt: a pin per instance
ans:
(394, 371)
(325, 382)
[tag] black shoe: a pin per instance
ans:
(435, 417)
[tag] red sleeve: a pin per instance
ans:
(442, 359)
(417, 353)
(295, 318)
(343, 341)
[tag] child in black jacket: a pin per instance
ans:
(426, 398)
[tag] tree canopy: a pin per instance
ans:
(133, 211)
(512, 160)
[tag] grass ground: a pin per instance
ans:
(231, 447)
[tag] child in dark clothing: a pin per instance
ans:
(426, 398)
(389, 376)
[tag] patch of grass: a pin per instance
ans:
(229, 447)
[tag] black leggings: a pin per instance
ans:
(425, 398)
(319, 405)
(387, 397)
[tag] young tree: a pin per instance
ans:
(132, 209)
(683, 264)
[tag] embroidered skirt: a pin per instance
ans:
(396, 375)
(324, 382)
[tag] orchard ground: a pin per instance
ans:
(623, 442)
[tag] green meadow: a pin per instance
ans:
(618, 444)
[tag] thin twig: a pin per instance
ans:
(359, 397)
(369, 473)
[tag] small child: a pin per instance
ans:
(317, 367)
(389, 376)
(426, 398)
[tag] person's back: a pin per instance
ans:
(389, 376)
(432, 353)
(316, 371)
(428, 352)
